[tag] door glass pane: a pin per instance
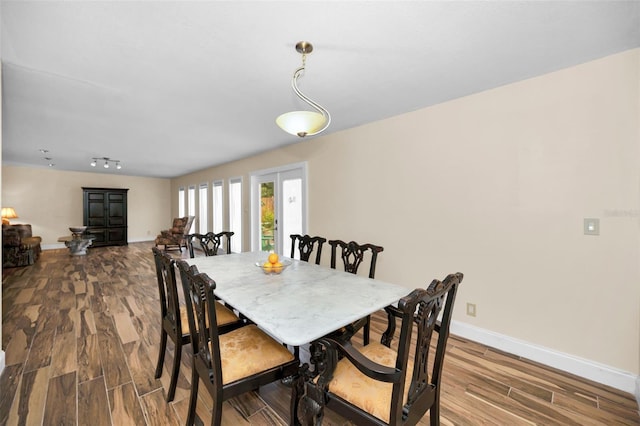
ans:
(291, 212)
(267, 217)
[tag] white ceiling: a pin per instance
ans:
(170, 87)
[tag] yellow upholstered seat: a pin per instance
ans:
(224, 316)
(370, 395)
(247, 351)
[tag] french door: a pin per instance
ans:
(278, 207)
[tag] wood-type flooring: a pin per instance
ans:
(81, 337)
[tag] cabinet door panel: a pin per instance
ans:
(96, 214)
(117, 235)
(100, 236)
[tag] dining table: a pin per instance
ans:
(302, 303)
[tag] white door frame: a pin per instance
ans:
(260, 176)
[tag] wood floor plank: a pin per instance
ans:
(110, 296)
(28, 406)
(24, 296)
(125, 328)
(64, 358)
(93, 403)
(40, 352)
(125, 405)
(159, 413)
(114, 363)
(60, 408)
(141, 367)
(9, 382)
(248, 403)
(17, 348)
(85, 323)
(89, 363)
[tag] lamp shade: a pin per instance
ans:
(301, 123)
(9, 213)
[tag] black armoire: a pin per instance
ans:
(105, 215)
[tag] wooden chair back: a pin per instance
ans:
(210, 242)
(170, 316)
(306, 245)
(353, 254)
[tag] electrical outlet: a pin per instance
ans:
(471, 309)
(592, 226)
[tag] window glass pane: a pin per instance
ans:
(217, 207)
(235, 214)
(192, 203)
(203, 198)
(181, 202)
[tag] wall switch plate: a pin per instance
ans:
(592, 226)
(471, 309)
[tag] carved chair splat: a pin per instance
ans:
(306, 245)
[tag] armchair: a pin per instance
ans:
(19, 246)
(383, 383)
(177, 235)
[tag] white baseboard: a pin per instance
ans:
(607, 375)
(2, 361)
(61, 245)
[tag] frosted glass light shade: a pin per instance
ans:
(301, 123)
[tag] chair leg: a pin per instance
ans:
(367, 331)
(216, 415)
(434, 412)
(193, 397)
(163, 348)
(176, 370)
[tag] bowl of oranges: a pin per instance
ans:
(273, 264)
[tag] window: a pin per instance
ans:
(235, 213)
(203, 198)
(192, 203)
(217, 206)
(181, 202)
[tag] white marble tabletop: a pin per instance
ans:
(303, 303)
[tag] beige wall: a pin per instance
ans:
(496, 185)
(51, 200)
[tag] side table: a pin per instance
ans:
(77, 244)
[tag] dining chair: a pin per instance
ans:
(174, 321)
(352, 255)
(306, 244)
(381, 383)
(210, 242)
(229, 364)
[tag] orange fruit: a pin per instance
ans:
(277, 267)
(273, 258)
(267, 266)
